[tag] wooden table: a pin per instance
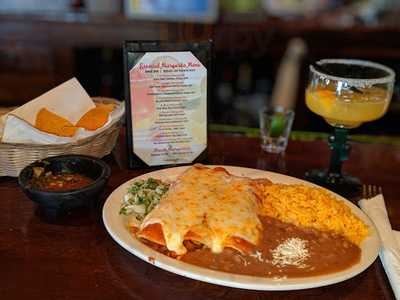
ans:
(77, 259)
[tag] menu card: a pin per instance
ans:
(166, 87)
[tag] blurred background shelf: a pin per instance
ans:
(40, 49)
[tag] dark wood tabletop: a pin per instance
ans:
(77, 259)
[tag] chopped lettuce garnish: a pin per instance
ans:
(142, 196)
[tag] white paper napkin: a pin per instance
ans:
(68, 100)
(390, 251)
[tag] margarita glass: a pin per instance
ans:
(346, 93)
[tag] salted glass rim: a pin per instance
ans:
(356, 81)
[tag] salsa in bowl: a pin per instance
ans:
(61, 183)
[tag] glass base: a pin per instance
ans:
(344, 185)
(274, 147)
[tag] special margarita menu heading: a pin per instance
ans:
(164, 65)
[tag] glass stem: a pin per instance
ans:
(339, 151)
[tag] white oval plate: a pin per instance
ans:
(118, 231)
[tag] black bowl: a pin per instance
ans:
(56, 203)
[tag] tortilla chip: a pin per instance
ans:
(94, 118)
(52, 123)
(107, 107)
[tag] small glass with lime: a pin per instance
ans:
(275, 126)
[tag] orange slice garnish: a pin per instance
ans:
(327, 98)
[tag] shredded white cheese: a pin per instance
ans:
(279, 278)
(244, 261)
(257, 255)
(292, 252)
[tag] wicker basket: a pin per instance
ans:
(14, 157)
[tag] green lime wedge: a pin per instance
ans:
(277, 125)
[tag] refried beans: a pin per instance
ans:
(284, 250)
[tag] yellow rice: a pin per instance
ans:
(313, 208)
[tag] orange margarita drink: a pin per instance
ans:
(348, 108)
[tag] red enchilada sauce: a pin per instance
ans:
(285, 250)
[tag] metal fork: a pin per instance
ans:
(369, 191)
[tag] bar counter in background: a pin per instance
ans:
(39, 51)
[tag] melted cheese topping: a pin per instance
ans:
(209, 206)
